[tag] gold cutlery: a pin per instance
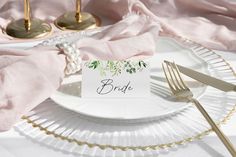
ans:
(182, 92)
(206, 79)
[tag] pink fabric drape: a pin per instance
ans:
(209, 22)
(28, 77)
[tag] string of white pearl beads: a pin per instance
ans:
(73, 58)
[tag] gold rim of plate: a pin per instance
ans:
(143, 148)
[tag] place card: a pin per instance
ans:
(112, 79)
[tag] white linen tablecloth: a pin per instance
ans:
(14, 145)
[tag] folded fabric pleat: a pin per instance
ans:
(26, 81)
(134, 36)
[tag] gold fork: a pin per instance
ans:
(182, 92)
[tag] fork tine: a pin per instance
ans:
(171, 73)
(168, 78)
(176, 76)
(179, 75)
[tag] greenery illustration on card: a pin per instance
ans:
(116, 67)
(128, 78)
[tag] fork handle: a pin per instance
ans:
(217, 130)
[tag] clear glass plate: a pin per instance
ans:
(56, 127)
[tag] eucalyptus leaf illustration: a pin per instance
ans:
(94, 64)
(116, 67)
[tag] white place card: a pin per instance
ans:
(112, 79)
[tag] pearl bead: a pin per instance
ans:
(72, 56)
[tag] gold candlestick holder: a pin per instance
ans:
(77, 20)
(28, 28)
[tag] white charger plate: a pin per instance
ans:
(158, 105)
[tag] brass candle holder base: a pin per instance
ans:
(68, 21)
(35, 29)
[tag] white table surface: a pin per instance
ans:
(14, 145)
